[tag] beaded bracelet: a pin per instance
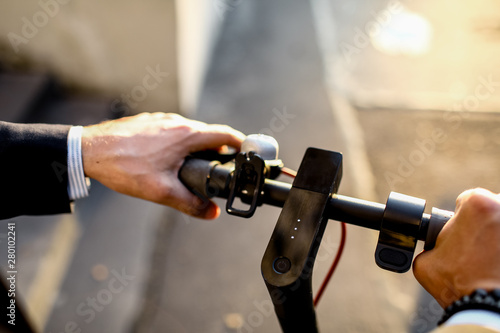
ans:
(480, 299)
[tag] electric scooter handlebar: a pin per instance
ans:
(307, 204)
(209, 179)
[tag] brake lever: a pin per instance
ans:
(257, 161)
(247, 180)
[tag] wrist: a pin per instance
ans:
(103, 154)
(91, 147)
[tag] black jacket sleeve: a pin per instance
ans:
(33, 169)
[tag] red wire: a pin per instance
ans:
(334, 264)
(333, 267)
(288, 172)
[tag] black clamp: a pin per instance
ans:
(399, 232)
(247, 183)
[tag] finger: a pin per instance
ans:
(418, 262)
(203, 209)
(215, 136)
(188, 203)
(207, 136)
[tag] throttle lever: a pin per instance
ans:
(403, 223)
(399, 232)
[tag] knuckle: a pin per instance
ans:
(482, 202)
(226, 128)
(173, 116)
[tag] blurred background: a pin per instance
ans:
(408, 91)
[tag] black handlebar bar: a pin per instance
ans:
(210, 179)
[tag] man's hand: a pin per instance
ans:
(467, 252)
(141, 156)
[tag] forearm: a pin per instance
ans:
(33, 168)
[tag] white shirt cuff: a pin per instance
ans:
(78, 184)
(475, 317)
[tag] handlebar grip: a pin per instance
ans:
(206, 179)
(437, 221)
(194, 173)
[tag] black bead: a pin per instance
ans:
(489, 300)
(480, 293)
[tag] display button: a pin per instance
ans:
(282, 265)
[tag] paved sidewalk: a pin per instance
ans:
(424, 55)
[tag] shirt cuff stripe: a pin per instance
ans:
(77, 185)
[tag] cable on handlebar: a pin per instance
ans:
(288, 172)
(335, 263)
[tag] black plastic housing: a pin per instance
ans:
(289, 258)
